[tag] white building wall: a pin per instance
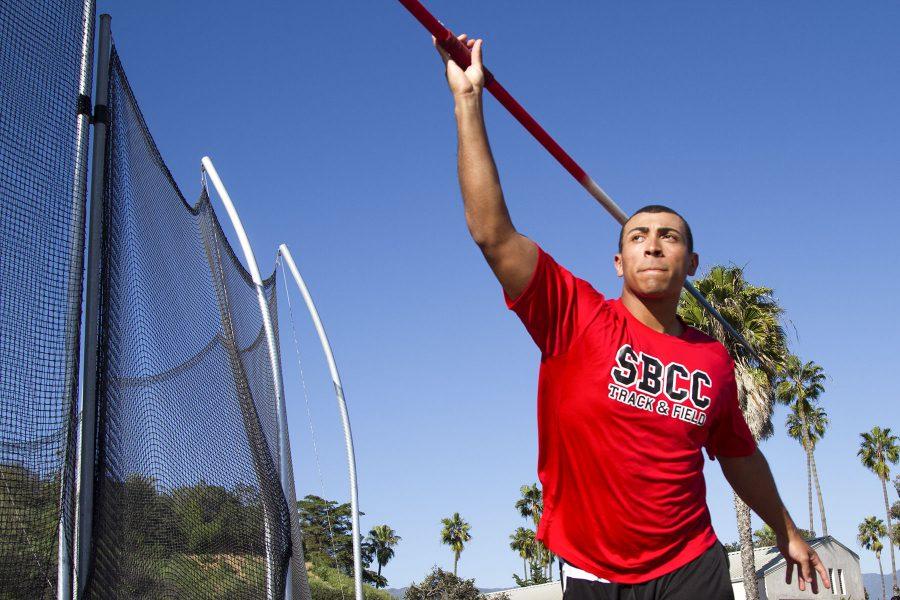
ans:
(835, 557)
(740, 594)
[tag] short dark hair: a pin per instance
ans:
(660, 208)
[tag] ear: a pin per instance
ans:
(617, 261)
(693, 263)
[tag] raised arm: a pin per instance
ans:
(511, 256)
(752, 480)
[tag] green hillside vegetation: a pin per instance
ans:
(327, 583)
(29, 506)
(172, 542)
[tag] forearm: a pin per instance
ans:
(752, 480)
(486, 213)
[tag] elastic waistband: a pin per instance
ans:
(567, 570)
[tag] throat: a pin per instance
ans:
(659, 314)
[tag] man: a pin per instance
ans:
(627, 397)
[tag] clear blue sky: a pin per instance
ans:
(772, 126)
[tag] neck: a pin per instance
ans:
(658, 314)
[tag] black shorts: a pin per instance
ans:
(704, 578)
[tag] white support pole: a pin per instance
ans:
(85, 503)
(65, 574)
(345, 417)
(283, 447)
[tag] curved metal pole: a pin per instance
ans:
(345, 417)
(283, 452)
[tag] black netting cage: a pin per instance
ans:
(188, 497)
(44, 70)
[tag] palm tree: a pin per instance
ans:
(523, 542)
(753, 311)
(801, 386)
(877, 450)
(871, 530)
(455, 534)
(815, 426)
(531, 505)
(382, 540)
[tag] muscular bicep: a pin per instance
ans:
(748, 476)
(513, 261)
(735, 468)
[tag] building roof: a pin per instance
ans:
(768, 558)
(541, 591)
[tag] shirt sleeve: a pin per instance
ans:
(556, 306)
(729, 435)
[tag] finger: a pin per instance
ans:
(789, 572)
(470, 43)
(437, 46)
(443, 53)
(820, 569)
(464, 40)
(806, 573)
(476, 54)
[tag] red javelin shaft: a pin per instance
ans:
(463, 57)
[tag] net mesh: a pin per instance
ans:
(42, 186)
(189, 502)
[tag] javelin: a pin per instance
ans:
(463, 57)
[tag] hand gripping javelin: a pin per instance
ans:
(463, 57)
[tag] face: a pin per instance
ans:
(655, 260)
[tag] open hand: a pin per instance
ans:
(470, 81)
(797, 552)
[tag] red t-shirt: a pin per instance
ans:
(623, 412)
